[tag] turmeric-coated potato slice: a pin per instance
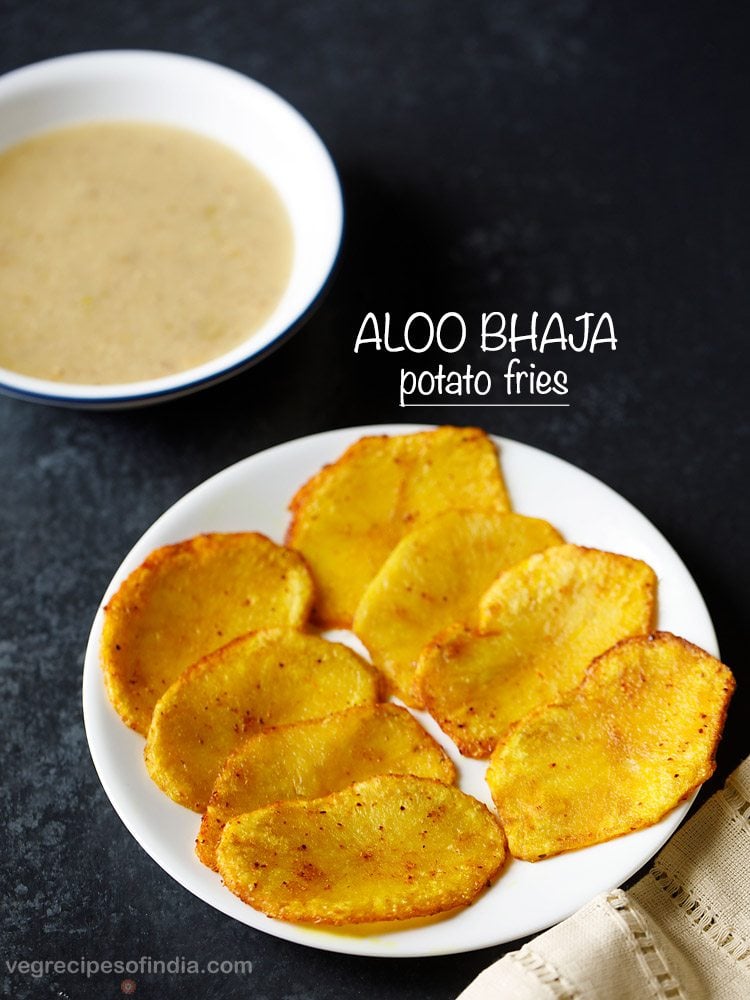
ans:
(310, 759)
(385, 849)
(434, 577)
(188, 599)
(267, 678)
(348, 517)
(541, 622)
(636, 737)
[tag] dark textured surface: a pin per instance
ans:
(515, 156)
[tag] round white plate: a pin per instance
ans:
(253, 494)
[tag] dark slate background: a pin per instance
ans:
(516, 156)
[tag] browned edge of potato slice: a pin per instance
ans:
(389, 848)
(436, 576)
(347, 518)
(270, 677)
(617, 753)
(541, 623)
(314, 758)
(188, 599)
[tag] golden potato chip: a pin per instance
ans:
(385, 849)
(310, 759)
(615, 754)
(348, 517)
(188, 599)
(434, 577)
(267, 678)
(542, 622)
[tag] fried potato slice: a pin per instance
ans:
(636, 737)
(348, 517)
(311, 759)
(189, 599)
(388, 848)
(436, 576)
(267, 678)
(542, 622)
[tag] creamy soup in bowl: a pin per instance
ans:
(164, 222)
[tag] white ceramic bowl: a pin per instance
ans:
(219, 103)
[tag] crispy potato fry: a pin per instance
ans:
(542, 622)
(389, 848)
(188, 599)
(267, 678)
(436, 576)
(348, 517)
(636, 737)
(311, 759)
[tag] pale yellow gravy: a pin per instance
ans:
(132, 251)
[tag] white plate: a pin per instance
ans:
(253, 494)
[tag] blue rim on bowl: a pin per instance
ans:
(225, 105)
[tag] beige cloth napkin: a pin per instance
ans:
(681, 933)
